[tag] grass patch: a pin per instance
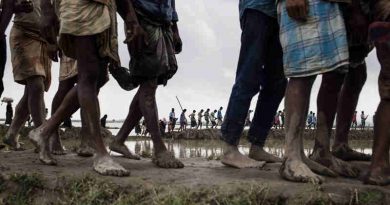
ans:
(24, 187)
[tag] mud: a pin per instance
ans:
(200, 182)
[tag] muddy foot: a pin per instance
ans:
(380, 176)
(297, 171)
(56, 146)
(235, 159)
(339, 166)
(85, 151)
(257, 153)
(318, 168)
(122, 149)
(345, 153)
(167, 160)
(38, 140)
(12, 142)
(107, 166)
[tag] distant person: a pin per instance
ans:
(310, 120)
(29, 121)
(314, 123)
(67, 122)
(248, 118)
(183, 121)
(219, 116)
(172, 120)
(277, 121)
(200, 116)
(163, 126)
(213, 119)
(144, 128)
(46, 112)
(193, 120)
(363, 119)
(207, 118)
(138, 129)
(9, 114)
(282, 118)
(103, 121)
(354, 120)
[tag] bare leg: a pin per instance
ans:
(327, 104)
(259, 154)
(86, 91)
(36, 105)
(379, 173)
(147, 102)
(349, 96)
(64, 87)
(380, 168)
(132, 119)
(295, 166)
(21, 115)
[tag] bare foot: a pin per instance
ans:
(38, 140)
(233, 158)
(56, 146)
(12, 142)
(297, 171)
(379, 176)
(339, 166)
(85, 151)
(257, 153)
(105, 165)
(122, 149)
(344, 152)
(166, 159)
(318, 168)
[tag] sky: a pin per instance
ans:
(210, 32)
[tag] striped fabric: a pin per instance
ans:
(316, 46)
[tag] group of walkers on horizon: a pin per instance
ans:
(212, 119)
(295, 39)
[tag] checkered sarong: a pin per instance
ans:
(316, 46)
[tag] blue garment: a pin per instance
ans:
(160, 10)
(268, 7)
(316, 46)
(260, 70)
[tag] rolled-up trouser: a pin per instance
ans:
(260, 69)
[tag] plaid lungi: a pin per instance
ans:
(316, 46)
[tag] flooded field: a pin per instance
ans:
(212, 149)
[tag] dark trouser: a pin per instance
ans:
(260, 70)
(3, 59)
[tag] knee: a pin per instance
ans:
(244, 88)
(357, 77)
(35, 84)
(149, 88)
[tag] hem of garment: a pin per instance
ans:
(317, 71)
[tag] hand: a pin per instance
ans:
(53, 52)
(297, 9)
(49, 27)
(177, 43)
(24, 6)
(135, 37)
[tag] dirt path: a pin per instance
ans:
(199, 175)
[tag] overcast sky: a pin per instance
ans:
(211, 35)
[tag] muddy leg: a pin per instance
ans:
(349, 96)
(297, 105)
(132, 119)
(84, 150)
(88, 74)
(21, 115)
(64, 87)
(147, 102)
(380, 168)
(327, 104)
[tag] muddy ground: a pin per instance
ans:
(23, 180)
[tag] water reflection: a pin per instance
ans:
(212, 149)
